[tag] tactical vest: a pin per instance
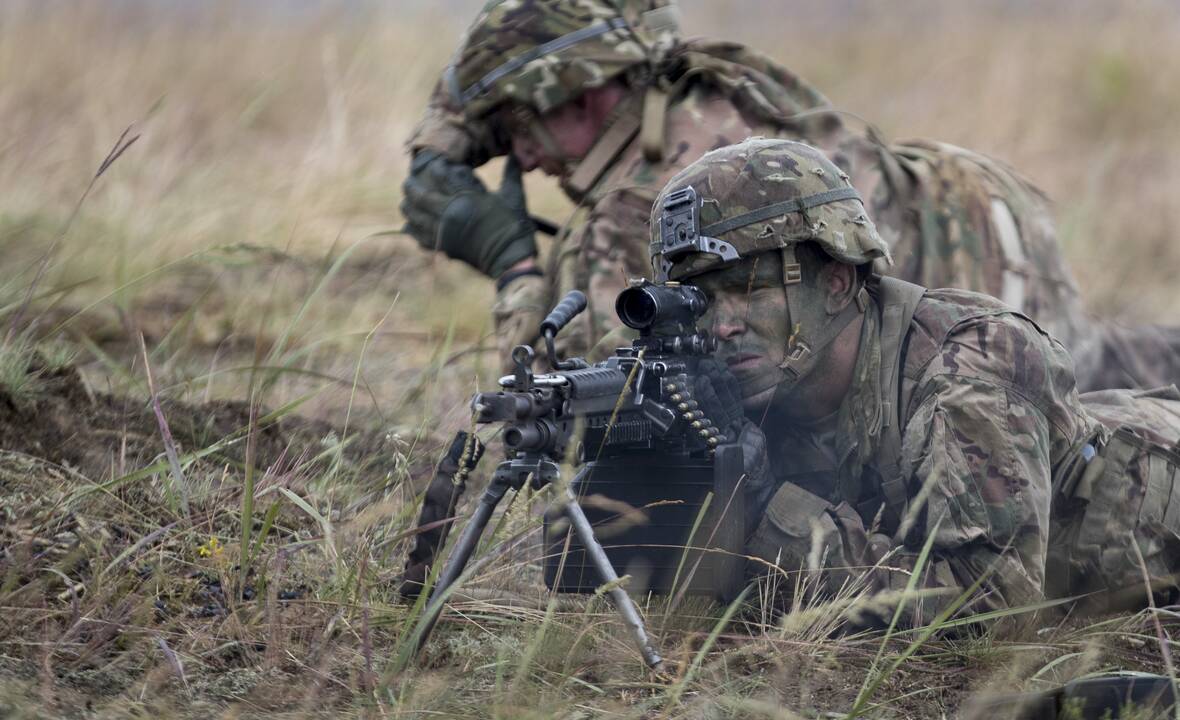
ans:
(905, 355)
(898, 300)
(1115, 511)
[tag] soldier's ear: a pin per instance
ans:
(839, 281)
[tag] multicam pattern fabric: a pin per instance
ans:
(992, 425)
(756, 174)
(1118, 518)
(952, 218)
(606, 241)
(973, 223)
(542, 53)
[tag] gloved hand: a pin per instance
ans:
(447, 208)
(719, 395)
(518, 312)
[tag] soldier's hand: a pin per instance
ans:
(720, 397)
(447, 208)
(520, 307)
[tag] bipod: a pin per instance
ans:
(513, 474)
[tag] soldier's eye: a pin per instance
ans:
(708, 291)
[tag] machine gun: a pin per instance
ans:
(632, 427)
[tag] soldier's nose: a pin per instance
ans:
(526, 152)
(728, 324)
(729, 331)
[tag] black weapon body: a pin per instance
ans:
(632, 428)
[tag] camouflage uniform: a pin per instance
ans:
(961, 427)
(953, 218)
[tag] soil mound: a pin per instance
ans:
(103, 436)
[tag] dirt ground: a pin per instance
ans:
(102, 436)
(249, 236)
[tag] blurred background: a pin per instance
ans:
(248, 233)
(271, 141)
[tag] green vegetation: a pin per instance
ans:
(221, 538)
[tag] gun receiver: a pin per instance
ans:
(632, 425)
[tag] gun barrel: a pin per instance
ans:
(532, 436)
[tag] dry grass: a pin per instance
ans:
(237, 236)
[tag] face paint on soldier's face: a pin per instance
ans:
(748, 315)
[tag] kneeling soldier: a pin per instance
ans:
(883, 415)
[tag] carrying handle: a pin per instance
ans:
(573, 303)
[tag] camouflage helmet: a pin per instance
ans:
(757, 196)
(761, 196)
(542, 53)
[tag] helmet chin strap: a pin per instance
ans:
(620, 127)
(804, 352)
(804, 349)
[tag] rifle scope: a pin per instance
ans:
(647, 306)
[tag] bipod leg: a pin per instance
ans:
(622, 601)
(457, 561)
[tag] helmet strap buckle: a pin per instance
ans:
(798, 352)
(651, 133)
(862, 300)
(803, 353)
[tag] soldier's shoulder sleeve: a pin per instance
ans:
(977, 460)
(980, 457)
(991, 410)
(987, 344)
(444, 129)
(614, 249)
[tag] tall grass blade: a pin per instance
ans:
(939, 623)
(325, 524)
(268, 521)
(911, 586)
(1165, 642)
(678, 592)
(247, 518)
(677, 690)
(180, 484)
(119, 148)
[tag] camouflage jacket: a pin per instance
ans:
(953, 218)
(606, 241)
(992, 429)
(992, 410)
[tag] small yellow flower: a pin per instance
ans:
(213, 548)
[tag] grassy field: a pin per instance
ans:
(221, 385)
